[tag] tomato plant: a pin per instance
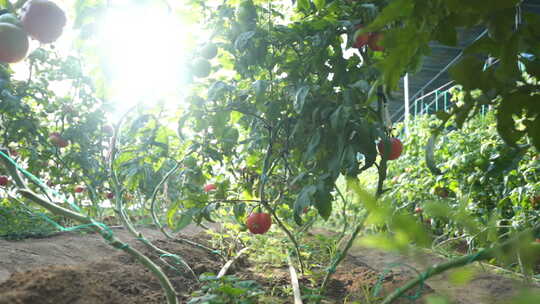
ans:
(481, 178)
(285, 103)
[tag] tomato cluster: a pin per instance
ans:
(43, 20)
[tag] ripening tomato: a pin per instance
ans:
(396, 148)
(259, 222)
(4, 180)
(360, 40)
(43, 20)
(56, 139)
(210, 187)
(375, 41)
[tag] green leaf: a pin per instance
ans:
(185, 219)
(303, 200)
(337, 119)
(480, 6)
(260, 87)
(533, 130)
(171, 213)
(300, 98)
(532, 67)
(313, 144)
(217, 90)
(446, 33)
(462, 276)
(243, 39)
(509, 66)
(506, 126)
(500, 25)
(404, 44)
(430, 154)
(231, 291)
(468, 73)
(484, 45)
(5, 4)
(239, 212)
(323, 200)
(302, 5)
(367, 145)
(394, 11)
(319, 4)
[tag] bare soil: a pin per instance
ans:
(79, 268)
(82, 269)
(74, 268)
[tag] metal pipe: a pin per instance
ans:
(406, 104)
(444, 69)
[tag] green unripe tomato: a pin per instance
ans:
(209, 51)
(10, 18)
(201, 68)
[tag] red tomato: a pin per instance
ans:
(360, 40)
(4, 180)
(209, 187)
(375, 40)
(397, 148)
(259, 222)
(43, 20)
(56, 139)
(79, 189)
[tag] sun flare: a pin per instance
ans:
(143, 54)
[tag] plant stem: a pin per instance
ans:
(341, 255)
(112, 240)
(485, 254)
(122, 214)
(161, 227)
(382, 174)
(106, 233)
(287, 232)
(229, 263)
(264, 176)
(344, 215)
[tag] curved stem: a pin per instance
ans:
(121, 211)
(264, 176)
(287, 232)
(485, 254)
(229, 263)
(161, 227)
(111, 239)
